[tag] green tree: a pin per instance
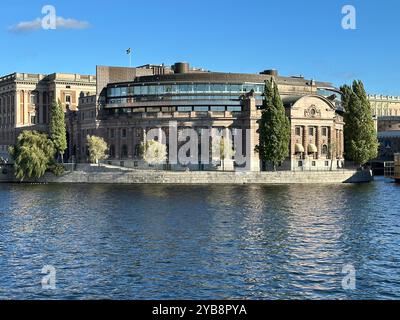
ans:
(361, 142)
(222, 148)
(274, 127)
(154, 152)
(58, 133)
(97, 148)
(33, 154)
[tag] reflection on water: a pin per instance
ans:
(215, 242)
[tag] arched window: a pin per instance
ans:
(112, 151)
(324, 149)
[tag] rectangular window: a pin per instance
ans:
(325, 131)
(201, 109)
(313, 163)
(67, 98)
(153, 109)
(123, 133)
(298, 131)
(311, 131)
(112, 133)
(137, 110)
(217, 108)
(33, 99)
(234, 109)
(184, 109)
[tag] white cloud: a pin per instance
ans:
(36, 24)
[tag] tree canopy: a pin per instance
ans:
(58, 132)
(97, 148)
(274, 127)
(33, 154)
(154, 152)
(361, 142)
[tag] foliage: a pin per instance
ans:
(222, 148)
(97, 148)
(274, 127)
(33, 154)
(361, 142)
(154, 152)
(58, 132)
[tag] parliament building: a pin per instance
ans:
(123, 104)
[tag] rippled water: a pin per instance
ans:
(200, 242)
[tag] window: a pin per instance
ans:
(33, 119)
(234, 109)
(311, 131)
(217, 108)
(298, 131)
(153, 109)
(326, 163)
(313, 163)
(324, 149)
(67, 98)
(112, 151)
(300, 163)
(184, 109)
(123, 133)
(325, 131)
(201, 109)
(33, 99)
(112, 133)
(124, 151)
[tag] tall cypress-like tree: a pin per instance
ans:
(274, 127)
(58, 132)
(361, 142)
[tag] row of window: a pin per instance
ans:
(177, 109)
(173, 98)
(312, 131)
(136, 90)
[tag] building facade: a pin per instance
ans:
(386, 110)
(129, 102)
(25, 101)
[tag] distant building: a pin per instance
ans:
(131, 101)
(386, 110)
(25, 101)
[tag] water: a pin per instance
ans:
(200, 242)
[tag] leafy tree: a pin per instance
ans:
(274, 127)
(222, 149)
(33, 154)
(154, 152)
(97, 148)
(361, 142)
(58, 132)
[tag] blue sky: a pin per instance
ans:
(295, 37)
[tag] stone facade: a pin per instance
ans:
(124, 122)
(25, 101)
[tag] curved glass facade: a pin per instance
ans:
(184, 91)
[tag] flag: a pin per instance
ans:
(128, 51)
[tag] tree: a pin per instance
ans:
(33, 154)
(361, 142)
(98, 148)
(222, 148)
(274, 127)
(58, 133)
(154, 152)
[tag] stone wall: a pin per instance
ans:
(102, 175)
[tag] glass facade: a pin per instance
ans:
(183, 91)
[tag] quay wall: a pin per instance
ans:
(110, 176)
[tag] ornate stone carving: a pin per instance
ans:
(312, 112)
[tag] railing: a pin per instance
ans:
(389, 169)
